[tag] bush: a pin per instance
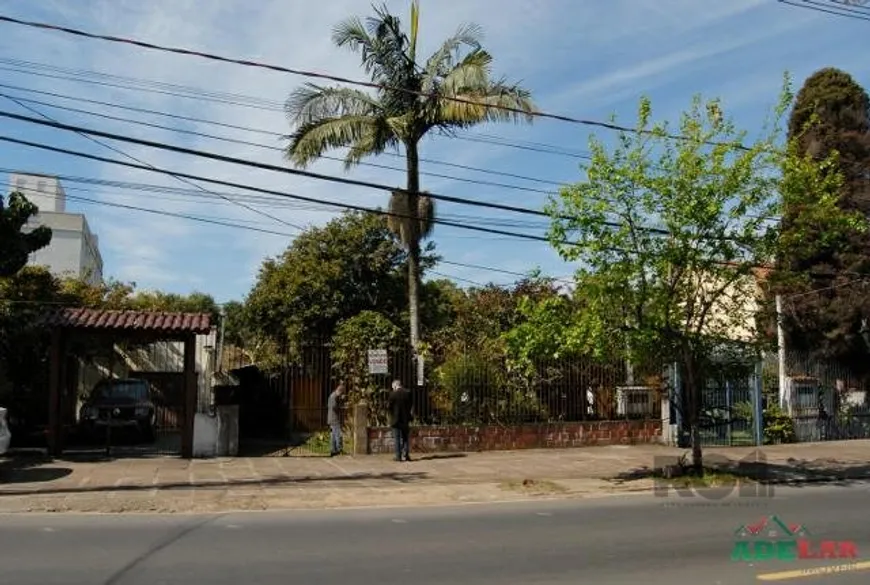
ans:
(778, 426)
(471, 389)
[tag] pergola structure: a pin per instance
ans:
(140, 327)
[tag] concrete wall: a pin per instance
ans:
(217, 435)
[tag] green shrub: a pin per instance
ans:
(778, 426)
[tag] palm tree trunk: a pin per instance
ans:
(413, 168)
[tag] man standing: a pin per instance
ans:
(400, 412)
(333, 419)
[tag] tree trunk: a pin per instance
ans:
(693, 396)
(413, 243)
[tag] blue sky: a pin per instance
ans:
(584, 58)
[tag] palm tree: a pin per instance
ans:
(411, 100)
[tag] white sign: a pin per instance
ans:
(378, 361)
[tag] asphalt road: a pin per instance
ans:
(601, 541)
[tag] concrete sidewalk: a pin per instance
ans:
(176, 485)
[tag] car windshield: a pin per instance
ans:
(129, 390)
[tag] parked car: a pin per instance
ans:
(124, 404)
(5, 434)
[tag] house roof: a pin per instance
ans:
(129, 321)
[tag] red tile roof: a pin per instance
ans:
(133, 321)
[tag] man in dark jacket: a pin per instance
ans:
(400, 414)
(333, 419)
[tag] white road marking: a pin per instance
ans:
(399, 521)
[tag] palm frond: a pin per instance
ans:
(312, 140)
(351, 33)
(444, 59)
(415, 29)
(311, 103)
(495, 103)
(471, 75)
(378, 139)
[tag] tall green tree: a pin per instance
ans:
(16, 245)
(413, 98)
(831, 115)
(687, 296)
(329, 274)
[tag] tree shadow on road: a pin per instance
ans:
(755, 468)
(271, 481)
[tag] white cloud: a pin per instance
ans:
(573, 53)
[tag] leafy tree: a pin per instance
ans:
(483, 314)
(16, 244)
(684, 296)
(831, 115)
(327, 275)
(111, 294)
(551, 328)
(237, 329)
(413, 99)
(350, 344)
(195, 302)
(24, 297)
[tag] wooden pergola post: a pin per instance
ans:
(55, 381)
(190, 396)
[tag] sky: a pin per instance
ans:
(584, 58)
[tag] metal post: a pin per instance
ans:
(757, 410)
(729, 430)
(784, 394)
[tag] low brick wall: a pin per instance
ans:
(456, 438)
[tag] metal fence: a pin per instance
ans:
(286, 400)
(822, 400)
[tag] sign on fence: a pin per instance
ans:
(378, 361)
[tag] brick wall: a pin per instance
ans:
(429, 439)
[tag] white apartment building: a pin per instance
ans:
(74, 249)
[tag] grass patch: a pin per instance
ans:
(533, 486)
(710, 478)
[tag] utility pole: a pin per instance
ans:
(784, 394)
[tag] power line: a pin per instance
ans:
(845, 10)
(253, 199)
(270, 191)
(140, 161)
(259, 144)
(333, 78)
(320, 176)
(297, 172)
(81, 76)
(231, 224)
(265, 132)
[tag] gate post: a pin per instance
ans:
(190, 395)
(361, 428)
(757, 404)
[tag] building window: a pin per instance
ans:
(40, 186)
(21, 185)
